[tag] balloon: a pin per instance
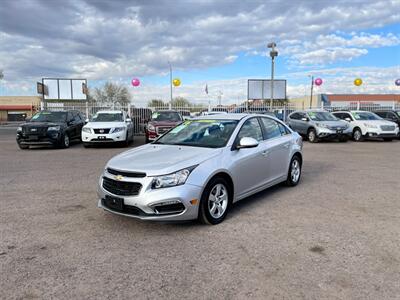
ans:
(318, 81)
(176, 82)
(397, 82)
(135, 82)
(358, 81)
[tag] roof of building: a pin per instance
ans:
(363, 97)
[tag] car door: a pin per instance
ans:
(302, 124)
(71, 130)
(249, 164)
(294, 121)
(277, 141)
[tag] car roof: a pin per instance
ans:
(109, 111)
(230, 116)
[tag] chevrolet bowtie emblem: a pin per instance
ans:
(118, 177)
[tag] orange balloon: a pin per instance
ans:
(358, 81)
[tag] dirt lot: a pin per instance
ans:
(336, 235)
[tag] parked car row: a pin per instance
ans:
(358, 125)
(60, 128)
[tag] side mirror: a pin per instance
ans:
(128, 120)
(305, 119)
(347, 119)
(86, 121)
(247, 142)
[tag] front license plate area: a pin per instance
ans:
(339, 131)
(102, 137)
(114, 202)
(33, 137)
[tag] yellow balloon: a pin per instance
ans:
(357, 81)
(176, 82)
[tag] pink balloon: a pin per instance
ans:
(135, 82)
(318, 81)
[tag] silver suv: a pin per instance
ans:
(319, 124)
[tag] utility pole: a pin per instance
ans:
(273, 53)
(312, 87)
(1, 77)
(170, 83)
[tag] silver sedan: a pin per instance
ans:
(200, 168)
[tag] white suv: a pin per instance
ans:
(365, 124)
(108, 126)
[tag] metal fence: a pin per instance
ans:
(141, 115)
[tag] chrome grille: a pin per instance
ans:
(387, 127)
(121, 188)
(101, 130)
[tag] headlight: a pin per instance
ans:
(53, 128)
(151, 127)
(322, 125)
(173, 179)
(19, 129)
(87, 129)
(117, 129)
(370, 125)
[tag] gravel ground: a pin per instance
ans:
(334, 236)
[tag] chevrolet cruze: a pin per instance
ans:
(198, 169)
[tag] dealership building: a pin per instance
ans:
(348, 100)
(17, 108)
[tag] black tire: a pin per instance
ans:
(312, 136)
(23, 147)
(65, 141)
(388, 139)
(294, 179)
(205, 216)
(147, 140)
(357, 135)
(343, 139)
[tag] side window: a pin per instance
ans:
(77, 118)
(347, 115)
(382, 114)
(283, 129)
(70, 117)
(272, 128)
(295, 116)
(251, 128)
(339, 116)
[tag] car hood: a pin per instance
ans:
(164, 123)
(333, 123)
(41, 124)
(161, 159)
(97, 125)
(377, 122)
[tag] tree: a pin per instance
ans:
(181, 102)
(112, 93)
(156, 103)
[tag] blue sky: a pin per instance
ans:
(220, 43)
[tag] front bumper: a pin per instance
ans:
(377, 133)
(143, 205)
(103, 137)
(49, 139)
(325, 133)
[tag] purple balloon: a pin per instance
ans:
(318, 81)
(397, 82)
(135, 82)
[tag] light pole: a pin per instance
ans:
(273, 53)
(1, 78)
(170, 83)
(312, 87)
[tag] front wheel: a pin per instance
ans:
(294, 173)
(357, 135)
(65, 142)
(215, 202)
(312, 136)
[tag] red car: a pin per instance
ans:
(161, 122)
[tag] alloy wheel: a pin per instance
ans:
(218, 201)
(295, 171)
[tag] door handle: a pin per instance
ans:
(265, 153)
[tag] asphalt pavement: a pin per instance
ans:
(334, 236)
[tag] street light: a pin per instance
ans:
(273, 53)
(312, 87)
(170, 82)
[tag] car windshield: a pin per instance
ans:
(108, 117)
(50, 116)
(321, 116)
(365, 116)
(169, 116)
(200, 133)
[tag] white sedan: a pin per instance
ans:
(367, 125)
(111, 126)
